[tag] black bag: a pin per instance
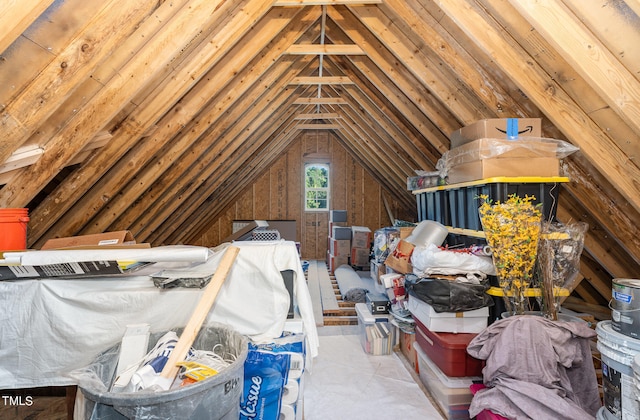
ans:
(448, 296)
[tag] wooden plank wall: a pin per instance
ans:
(277, 194)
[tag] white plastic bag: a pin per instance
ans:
(429, 260)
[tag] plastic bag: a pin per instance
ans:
(487, 148)
(449, 296)
(429, 260)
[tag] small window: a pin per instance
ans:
(316, 187)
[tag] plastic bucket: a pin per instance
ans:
(13, 229)
(217, 397)
(600, 414)
(625, 306)
(618, 352)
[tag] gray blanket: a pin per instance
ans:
(536, 369)
(353, 287)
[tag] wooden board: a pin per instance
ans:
(329, 301)
(314, 291)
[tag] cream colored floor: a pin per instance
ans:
(346, 383)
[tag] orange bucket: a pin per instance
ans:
(13, 229)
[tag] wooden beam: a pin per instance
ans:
(16, 16)
(560, 108)
(206, 159)
(318, 127)
(411, 98)
(319, 101)
(22, 157)
(593, 61)
(322, 2)
(326, 49)
(439, 80)
(241, 142)
(72, 66)
(318, 116)
(324, 80)
(72, 191)
(429, 36)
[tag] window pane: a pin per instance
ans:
(316, 187)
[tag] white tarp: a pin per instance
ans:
(49, 327)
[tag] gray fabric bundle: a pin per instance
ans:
(536, 369)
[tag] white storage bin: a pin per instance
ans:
(450, 322)
(377, 334)
(453, 395)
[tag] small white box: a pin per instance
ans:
(450, 322)
(389, 280)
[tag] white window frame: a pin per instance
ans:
(326, 189)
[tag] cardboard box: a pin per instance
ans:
(400, 259)
(486, 148)
(332, 224)
(498, 167)
(341, 232)
(377, 271)
(405, 232)
(360, 257)
(361, 237)
(497, 128)
(123, 237)
(407, 349)
(338, 216)
(340, 247)
(451, 322)
(334, 261)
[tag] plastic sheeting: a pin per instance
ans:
(49, 327)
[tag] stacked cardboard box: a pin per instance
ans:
(399, 261)
(361, 238)
(500, 147)
(339, 240)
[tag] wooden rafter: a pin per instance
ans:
(324, 80)
(326, 49)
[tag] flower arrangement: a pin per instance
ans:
(512, 230)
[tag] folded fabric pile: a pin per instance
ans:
(536, 369)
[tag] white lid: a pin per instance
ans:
(367, 317)
(620, 342)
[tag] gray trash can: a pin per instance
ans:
(217, 397)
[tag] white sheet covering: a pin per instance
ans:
(51, 326)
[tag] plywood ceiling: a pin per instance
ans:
(136, 114)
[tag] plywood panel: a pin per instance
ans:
(262, 196)
(279, 197)
(294, 186)
(277, 194)
(244, 205)
(338, 186)
(372, 201)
